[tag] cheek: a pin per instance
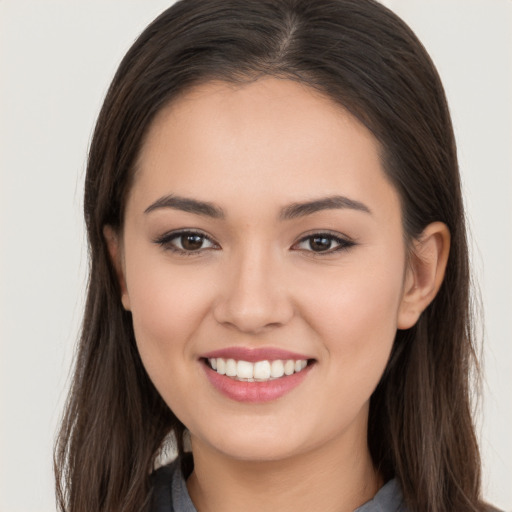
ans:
(163, 312)
(167, 305)
(355, 319)
(356, 316)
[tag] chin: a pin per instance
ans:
(251, 445)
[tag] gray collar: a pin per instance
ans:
(170, 493)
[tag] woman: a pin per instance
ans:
(278, 269)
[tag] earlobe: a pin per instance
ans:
(116, 257)
(425, 273)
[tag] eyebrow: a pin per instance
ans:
(187, 205)
(289, 212)
(295, 210)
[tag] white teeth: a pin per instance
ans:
(231, 368)
(289, 367)
(262, 370)
(221, 366)
(244, 370)
(276, 369)
(258, 371)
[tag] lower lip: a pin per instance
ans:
(255, 392)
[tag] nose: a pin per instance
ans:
(254, 296)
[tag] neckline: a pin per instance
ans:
(388, 497)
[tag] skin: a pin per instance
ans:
(251, 150)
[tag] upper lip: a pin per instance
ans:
(252, 355)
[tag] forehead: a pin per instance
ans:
(259, 110)
(268, 138)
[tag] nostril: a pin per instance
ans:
(251, 317)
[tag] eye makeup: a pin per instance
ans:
(190, 242)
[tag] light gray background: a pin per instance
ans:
(56, 60)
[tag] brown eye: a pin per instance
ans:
(191, 241)
(324, 243)
(186, 242)
(320, 243)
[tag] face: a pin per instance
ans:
(261, 229)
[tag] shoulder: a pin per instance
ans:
(169, 489)
(161, 488)
(388, 499)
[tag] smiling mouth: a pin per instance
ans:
(258, 371)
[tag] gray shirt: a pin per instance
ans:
(170, 493)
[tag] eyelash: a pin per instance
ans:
(165, 241)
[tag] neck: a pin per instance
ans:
(337, 477)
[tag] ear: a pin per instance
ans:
(115, 250)
(425, 272)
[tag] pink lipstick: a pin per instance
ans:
(255, 375)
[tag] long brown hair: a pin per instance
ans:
(365, 58)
